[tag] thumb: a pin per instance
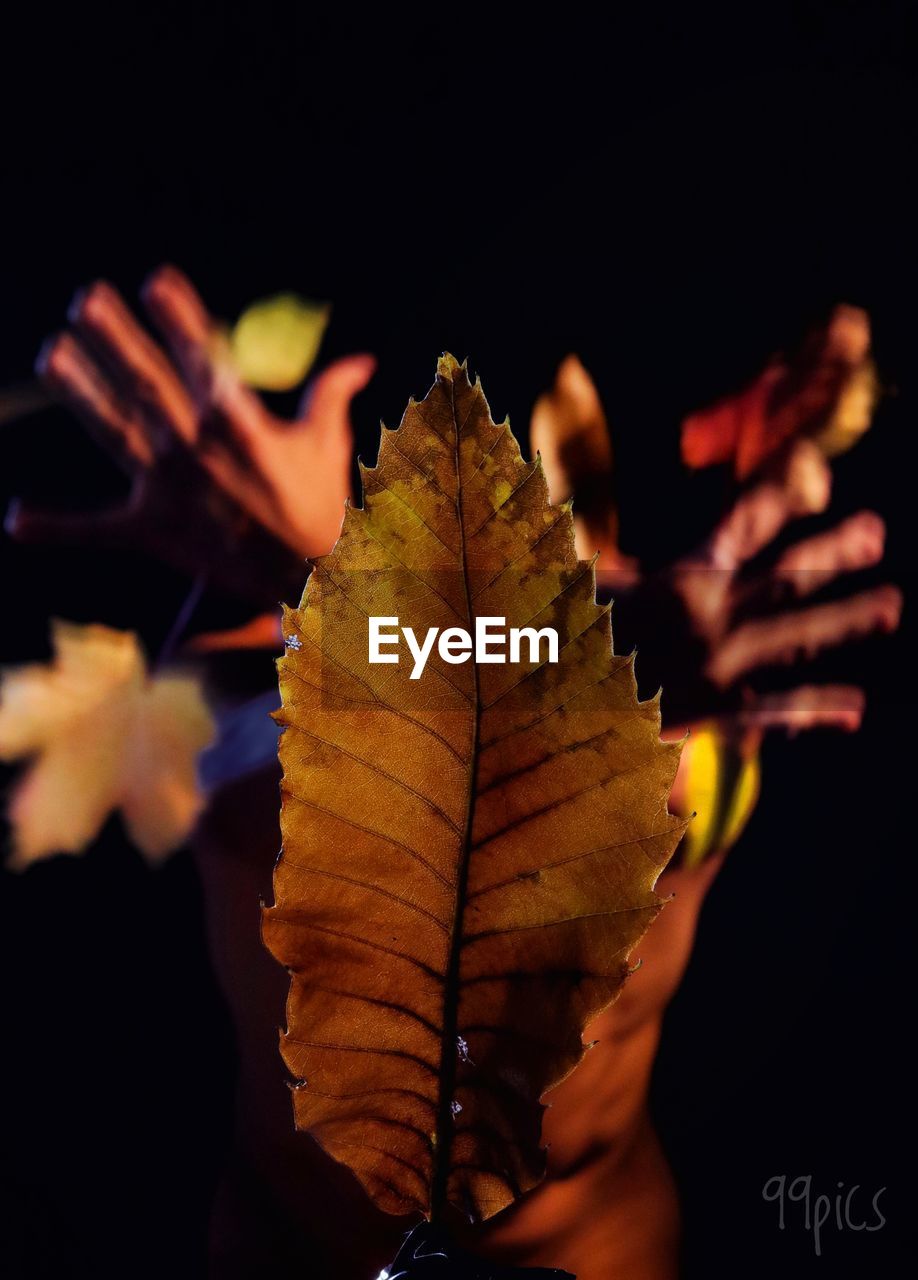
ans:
(326, 401)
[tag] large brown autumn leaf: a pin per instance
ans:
(468, 858)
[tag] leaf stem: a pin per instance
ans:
(449, 1048)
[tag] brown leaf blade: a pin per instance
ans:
(468, 858)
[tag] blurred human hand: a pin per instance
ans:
(609, 1207)
(716, 618)
(219, 485)
(713, 619)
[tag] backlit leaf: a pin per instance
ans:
(468, 858)
(274, 342)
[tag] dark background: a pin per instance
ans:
(672, 196)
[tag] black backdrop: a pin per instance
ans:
(673, 196)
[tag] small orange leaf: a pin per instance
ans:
(827, 390)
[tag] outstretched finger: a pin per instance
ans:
(799, 484)
(231, 410)
(327, 400)
(791, 637)
(811, 706)
(142, 369)
(175, 307)
(246, 429)
(72, 375)
(857, 543)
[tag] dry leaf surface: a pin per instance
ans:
(469, 858)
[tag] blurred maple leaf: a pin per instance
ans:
(103, 736)
(827, 390)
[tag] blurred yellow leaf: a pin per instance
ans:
(102, 735)
(275, 341)
(853, 411)
(721, 788)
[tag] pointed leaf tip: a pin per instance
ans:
(449, 369)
